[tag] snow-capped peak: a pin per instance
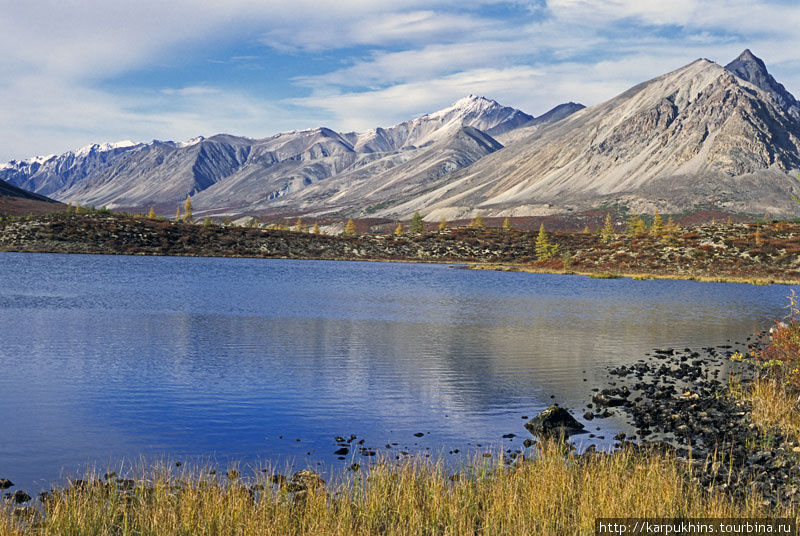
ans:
(190, 142)
(103, 147)
(466, 105)
(27, 162)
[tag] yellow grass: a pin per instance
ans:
(638, 276)
(556, 494)
(775, 405)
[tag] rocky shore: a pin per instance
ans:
(680, 403)
(756, 252)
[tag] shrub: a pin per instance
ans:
(478, 223)
(781, 351)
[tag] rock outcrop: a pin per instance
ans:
(555, 421)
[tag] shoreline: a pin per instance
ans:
(649, 391)
(732, 253)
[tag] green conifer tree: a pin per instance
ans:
(416, 223)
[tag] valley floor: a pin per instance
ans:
(752, 252)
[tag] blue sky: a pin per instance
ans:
(84, 71)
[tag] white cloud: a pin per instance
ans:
(411, 57)
(191, 90)
(367, 109)
(415, 28)
(423, 63)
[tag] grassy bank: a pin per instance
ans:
(775, 394)
(554, 494)
(635, 275)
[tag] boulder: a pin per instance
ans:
(305, 480)
(554, 421)
(19, 497)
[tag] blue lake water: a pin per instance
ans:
(110, 358)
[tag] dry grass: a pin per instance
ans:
(775, 405)
(637, 276)
(556, 494)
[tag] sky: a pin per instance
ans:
(78, 72)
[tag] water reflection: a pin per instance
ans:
(119, 356)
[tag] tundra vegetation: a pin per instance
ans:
(758, 252)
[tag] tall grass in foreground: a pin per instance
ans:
(775, 405)
(558, 493)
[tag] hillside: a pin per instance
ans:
(18, 202)
(701, 138)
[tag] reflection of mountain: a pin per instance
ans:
(221, 356)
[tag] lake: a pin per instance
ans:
(105, 359)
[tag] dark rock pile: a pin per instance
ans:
(679, 402)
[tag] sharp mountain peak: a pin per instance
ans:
(751, 68)
(685, 138)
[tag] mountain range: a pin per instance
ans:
(703, 136)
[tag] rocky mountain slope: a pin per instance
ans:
(227, 175)
(701, 137)
(748, 67)
(696, 137)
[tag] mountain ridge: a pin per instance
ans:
(702, 135)
(693, 137)
(264, 171)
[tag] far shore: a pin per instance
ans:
(758, 253)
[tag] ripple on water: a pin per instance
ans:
(110, 357)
